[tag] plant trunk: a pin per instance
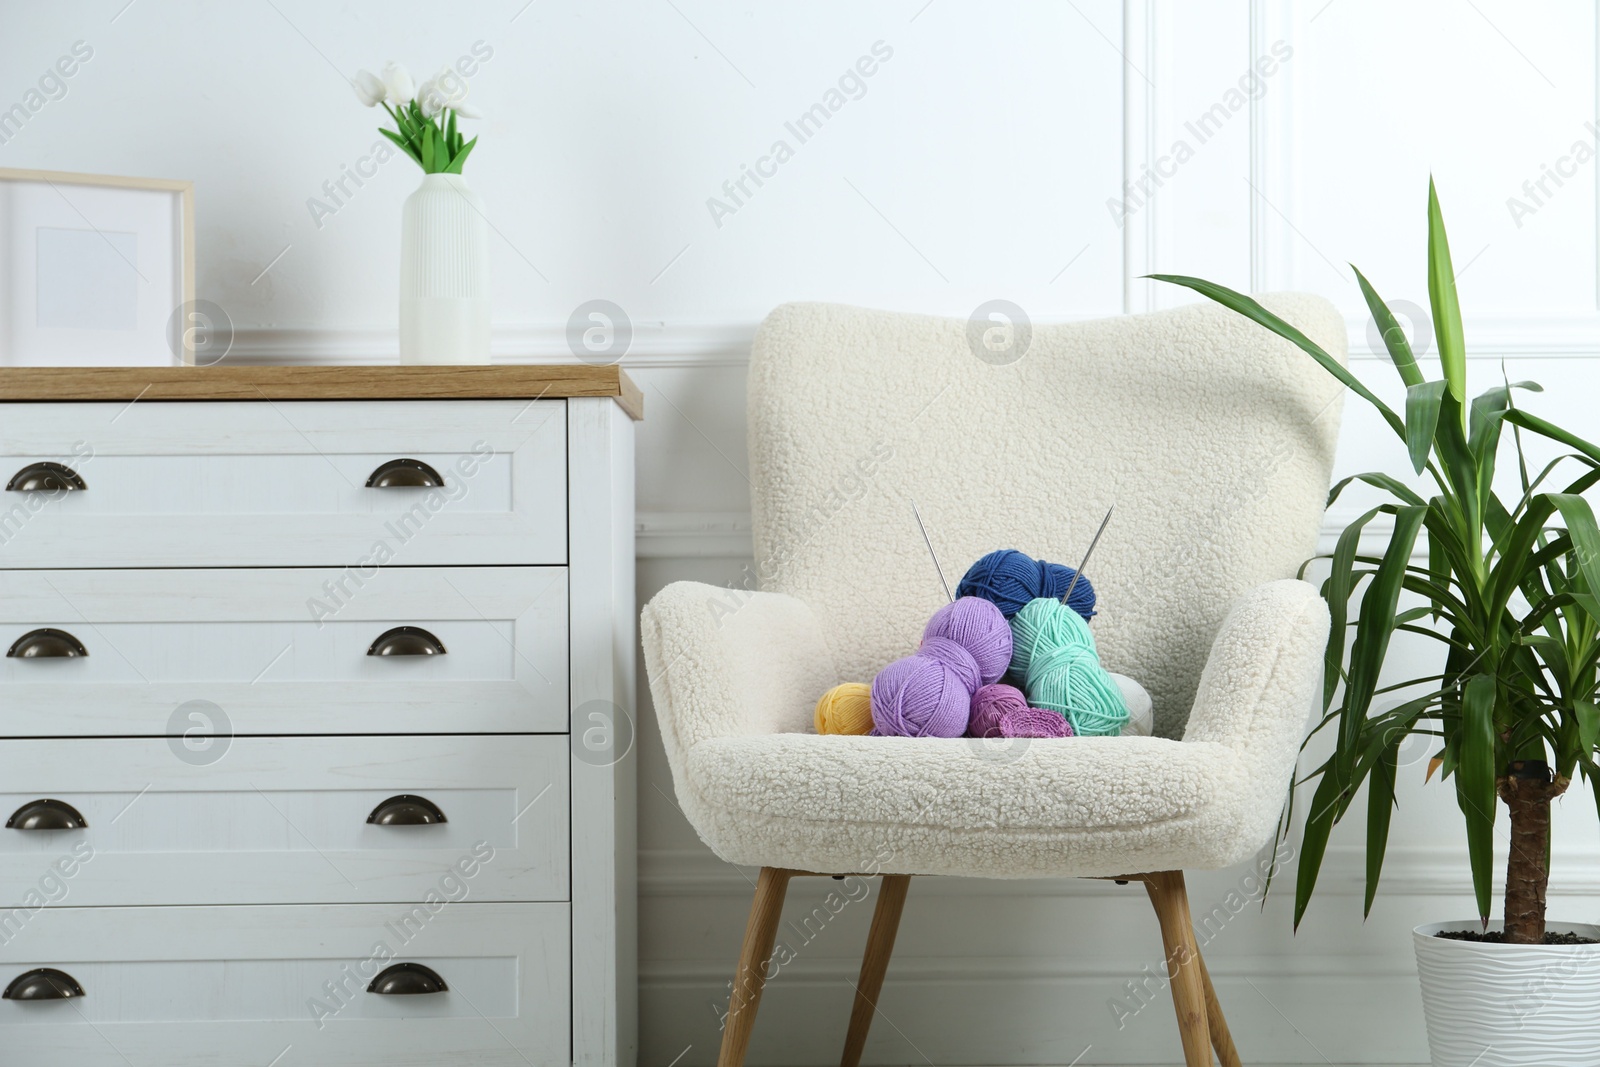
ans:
(1527, 790)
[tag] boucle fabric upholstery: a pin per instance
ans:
(1213, 439)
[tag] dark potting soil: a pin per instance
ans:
(1495, 937)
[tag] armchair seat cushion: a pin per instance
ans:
(996, 808)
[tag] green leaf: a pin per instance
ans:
(1489, 404)
(1380, 808)
(404, 147)
(1475, 782)
(1324, 813)
(1374, 628)
(1378, 480)
(1585, 536)
(1422, 419)
(1336, 591)
(1252, 309)
(1446, 305)
(1518, 417)
(1588, 714)
(427, 148)
(461, 157)
(1394, 338)
(1588, 602)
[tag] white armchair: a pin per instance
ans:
(1214, 440)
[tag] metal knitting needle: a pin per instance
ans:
(931, 552)
(1079, 573)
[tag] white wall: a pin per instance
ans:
(977, 164)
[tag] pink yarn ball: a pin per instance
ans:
(989, 704)
(1034, 722)
(978, 626)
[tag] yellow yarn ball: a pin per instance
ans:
(845, 709)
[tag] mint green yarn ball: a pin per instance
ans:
(1053, 652)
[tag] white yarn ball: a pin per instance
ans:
(1141, 720)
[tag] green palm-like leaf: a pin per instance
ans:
(1585, 537)
(1475, 782)
(1446, 304)
(1375, 627)
(1422, 420)
(1394, 338)
(1380, 809)
(1336, 591)
(1314, 841)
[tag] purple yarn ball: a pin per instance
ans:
(989, 705)
(1034, 722)
(922, 696)
(978, 626)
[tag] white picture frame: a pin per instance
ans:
(95, 270)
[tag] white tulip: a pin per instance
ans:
(369, 88)
(466, 111)
(429, 98)
(445, 89)
(397, 80)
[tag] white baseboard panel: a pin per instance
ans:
(1025, 1019)
(1415, 871)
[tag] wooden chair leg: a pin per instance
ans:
(874, 963)
(759, 934)
(1185, 971)
(1221, 1039)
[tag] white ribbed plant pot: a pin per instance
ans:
(444, 274)
(1510, 1005)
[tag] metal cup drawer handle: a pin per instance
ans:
(407, 979)
(404, 474)
(46, 477)
(406, 641)
(43, 983)
(47, 814)
(46, 644)
(406, 810)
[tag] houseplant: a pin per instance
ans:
(444, 233)
(1508, 589)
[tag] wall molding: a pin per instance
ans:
(727, 344)
(693, 535)
(727, 534)
(655, 344)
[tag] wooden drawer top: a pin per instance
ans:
(491, 382)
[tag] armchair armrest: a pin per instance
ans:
(1259, 688)
(725, 662)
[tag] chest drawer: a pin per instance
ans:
(283, 651)
(280, 820)
(274, 484)
(219, 987)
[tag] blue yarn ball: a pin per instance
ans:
(1010, 579)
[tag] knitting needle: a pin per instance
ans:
(931, 552)
(1086, 555)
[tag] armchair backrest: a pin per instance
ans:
(1213, 438)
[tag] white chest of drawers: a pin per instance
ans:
(309, 756)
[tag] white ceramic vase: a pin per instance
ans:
(444, 274)
(1510, 1005)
